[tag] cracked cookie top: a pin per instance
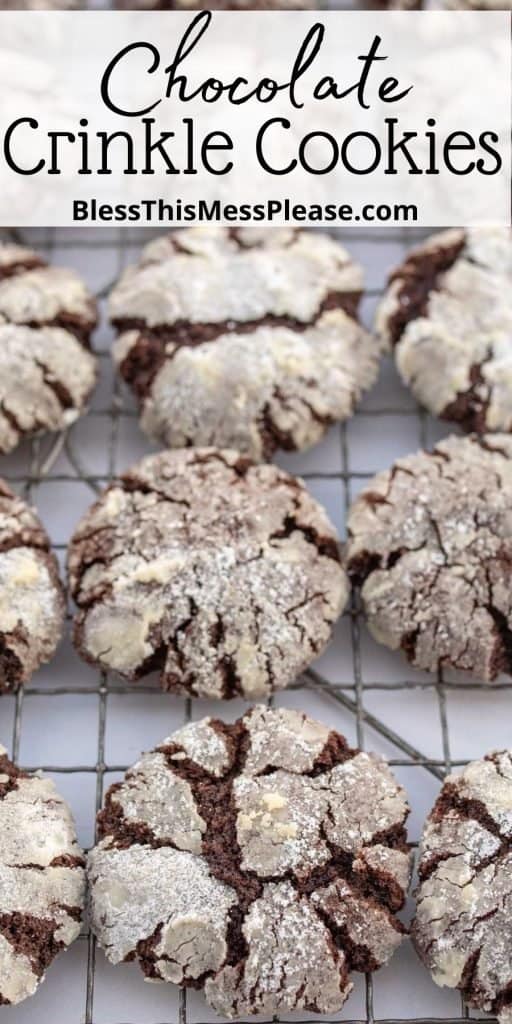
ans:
(243, 338)
(448, 312)
(42, 880)
(31, 595)
(430, 541)
(47, 372)
(260, 861)
(223, 575)
(463, 925)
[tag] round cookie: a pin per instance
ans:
(42, 880)
(47, 372)
(430, 542)
(463, 925)
(223, 575)
(260, 861)
(242, 338)
(31, 595)
(448, 314)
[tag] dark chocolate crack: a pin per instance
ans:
(21, 265)
(11, 668)
(419, 276)
(80, 328)
(13, 773)
(33, 937)
(470, 406)
(157, 343)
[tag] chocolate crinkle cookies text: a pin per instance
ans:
(260, 861)
(42, 880)
(448, 314)
(430, 543)
(47, 372)
(32, 601)
(463, 925)
(243, 338)
(222, 575)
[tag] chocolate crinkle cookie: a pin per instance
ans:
(221, 574)
(31, 595)
(430, 542)
(463, 925)
(243, 338)
(260, 861)
(42, 880)
(47, 371)
(448, 314)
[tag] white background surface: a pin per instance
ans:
(70, 719)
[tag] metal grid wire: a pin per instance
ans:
(349, 695)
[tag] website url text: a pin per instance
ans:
(282, 211)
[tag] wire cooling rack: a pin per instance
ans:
(84, 730)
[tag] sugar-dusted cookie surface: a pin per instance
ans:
(31, 594)
(47, 371)
(243, 338)
(448, 314)
(221, 574)
(463, 925)
(42, 880)
(430, 543)
(261, 861)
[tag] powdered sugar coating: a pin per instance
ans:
(281, 973)
(283, 738)
(314, 814)
(453, 348)
(462, 929)
(42, 880)
(173, 817)
(47, 373)
(211, 275)
(222, 574)
(165, 893)
(31, 594)
(266, 912)
(205, 745)
(241, 340)
(430, 540)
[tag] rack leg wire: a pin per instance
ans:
(349, 696)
